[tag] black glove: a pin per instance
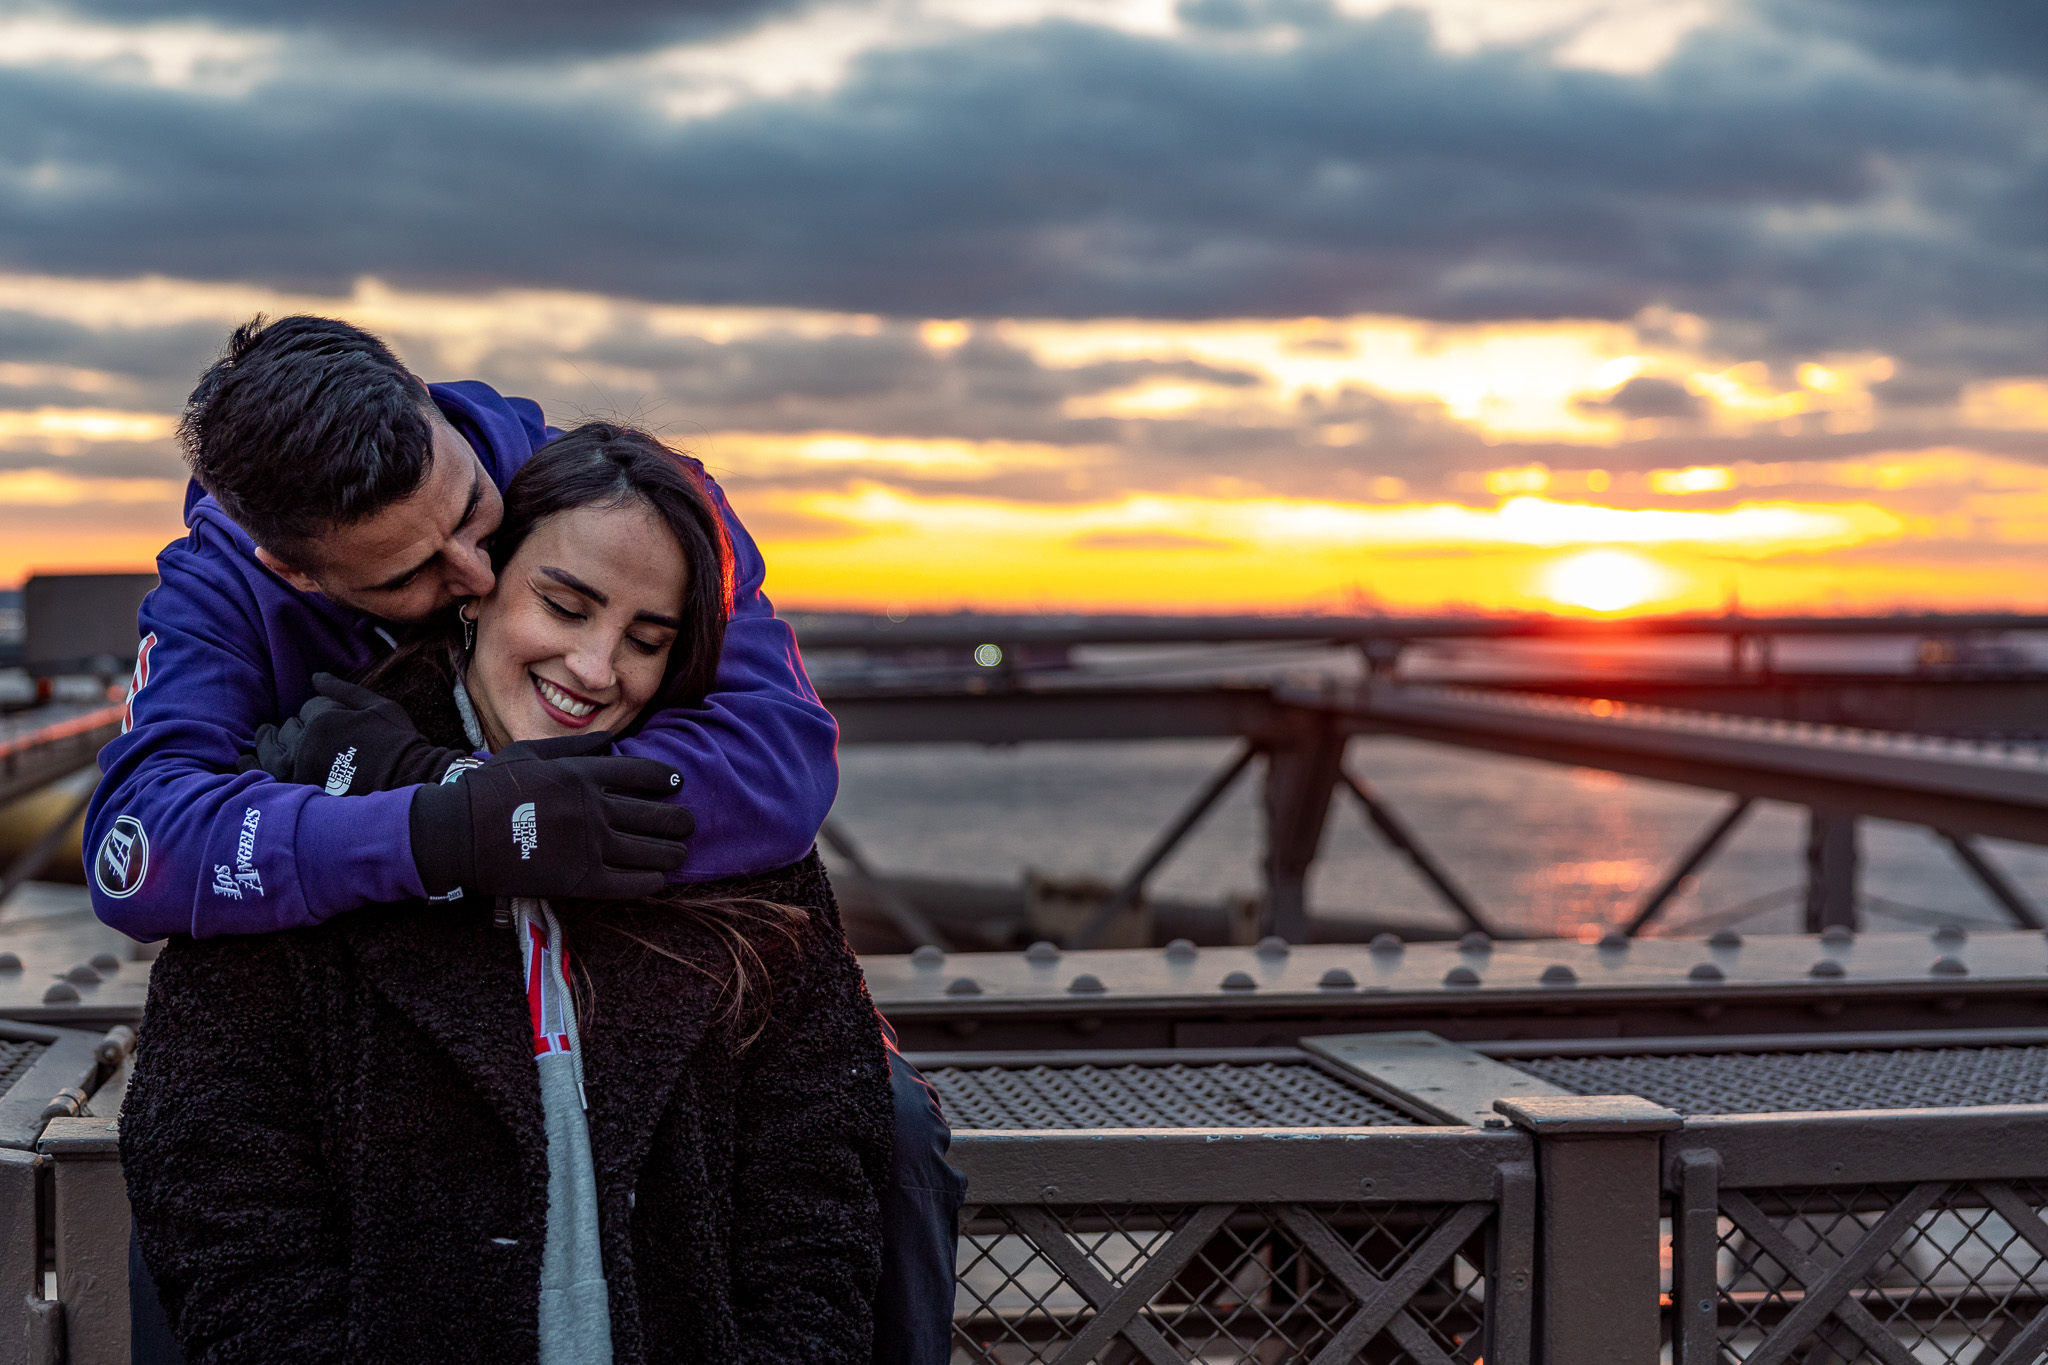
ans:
(347, 740)
(540, 819)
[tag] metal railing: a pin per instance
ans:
(1381, 1198)
(1246, 1244)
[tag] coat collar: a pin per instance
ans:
(456, 974)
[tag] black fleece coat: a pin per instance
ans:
(335, 1152)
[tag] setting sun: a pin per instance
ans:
(1607, 580)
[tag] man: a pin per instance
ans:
(336, 498)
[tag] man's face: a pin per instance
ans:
(417, 557)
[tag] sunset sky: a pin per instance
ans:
(1234, 305)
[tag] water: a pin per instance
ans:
(1542, 848)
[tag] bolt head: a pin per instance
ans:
(928, 955)
(1240, 981)
(1387, 943)
(1042, 951)
(963, 985)
(1182, 950)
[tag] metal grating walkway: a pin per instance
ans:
(15, 1060)
(1224, 1095)
(1790, 1082)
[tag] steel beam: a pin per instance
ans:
(1301, 771)
(1996, 883)
(1395, 831)
(1832, 860)
(1923, 784)
(1032, 715)
(1598, 1159)
(966, 631)
(90, 1203)
(1705, 848)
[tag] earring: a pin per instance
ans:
(468, 628)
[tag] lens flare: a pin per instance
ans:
(1607, 580)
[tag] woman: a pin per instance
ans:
(576, 1133)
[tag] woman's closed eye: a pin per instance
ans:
(648, 647)
(566, 613)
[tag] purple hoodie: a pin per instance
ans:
(181, 844)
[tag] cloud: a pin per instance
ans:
(502, 29)
(2004, 36)
(1790, 191)
(1647, 396)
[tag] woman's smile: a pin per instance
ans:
(563, 706)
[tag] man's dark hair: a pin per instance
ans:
(304, 425)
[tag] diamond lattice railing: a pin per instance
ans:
(1377, 1284)
(1935, 1274)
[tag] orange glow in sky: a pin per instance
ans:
(1367, 463)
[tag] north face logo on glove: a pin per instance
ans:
(525, 830)
(342, 773)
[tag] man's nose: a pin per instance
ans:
(469, 575)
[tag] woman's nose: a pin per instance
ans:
(592, 668)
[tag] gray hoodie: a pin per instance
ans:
(575, 1315)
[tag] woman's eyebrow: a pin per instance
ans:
(575, 584)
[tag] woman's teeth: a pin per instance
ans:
(558, 698)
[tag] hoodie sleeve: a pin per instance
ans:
(178, 841)
(243, 1238)
(760, 758)
(811, 1153)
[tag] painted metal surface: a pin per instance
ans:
(1254, 979)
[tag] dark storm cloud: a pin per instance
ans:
(1067, 170)
(515, 29)
(2004, 36)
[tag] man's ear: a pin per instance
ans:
(298, 578)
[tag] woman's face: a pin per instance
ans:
(576, 634)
